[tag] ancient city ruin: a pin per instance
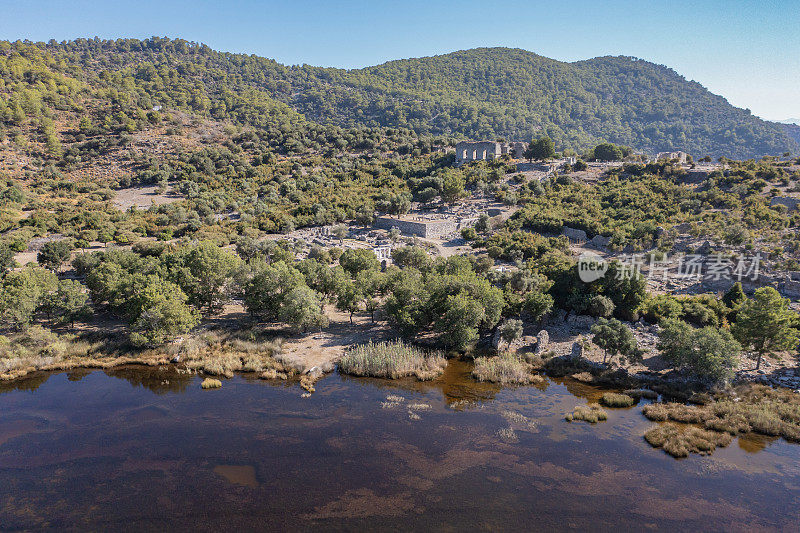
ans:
(669, 156)
(487, 150)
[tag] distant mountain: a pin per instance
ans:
(789, 121)
(792, 130)
(482, 93)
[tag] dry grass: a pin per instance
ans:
(681, 441)
(392, 360)
(38, 348)
(211, 383)
(588, 413)
(612, 399)
(215, 353)
(506, 369)
(222, 354)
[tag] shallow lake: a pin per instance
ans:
(144, 448)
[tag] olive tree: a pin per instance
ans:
(615, 338)
(708, 352)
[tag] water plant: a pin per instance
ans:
(641, 393)
(612, 399)
(753, 408)
(681, 441)
(394, 359)
(587, 413)
(506, 368)
(211, 383)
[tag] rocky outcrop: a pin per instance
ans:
(574, 234)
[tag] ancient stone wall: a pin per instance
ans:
(487, 150)
(420, 228)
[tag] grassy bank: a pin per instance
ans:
(217, 353)
(392, 360)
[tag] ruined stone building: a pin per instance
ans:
(669, 156)
(487, 150)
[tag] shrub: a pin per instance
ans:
(708, 353)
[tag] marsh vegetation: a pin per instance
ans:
(392, 359)
(505, 368)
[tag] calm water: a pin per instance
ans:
(137, 449)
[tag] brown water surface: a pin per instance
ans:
(146, 448)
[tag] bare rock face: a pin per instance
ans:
(542, 340)
(600, 241)
(574, 234)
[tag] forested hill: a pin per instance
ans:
(480, 93)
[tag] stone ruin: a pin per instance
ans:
(488, 150)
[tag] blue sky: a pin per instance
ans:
(747, 51)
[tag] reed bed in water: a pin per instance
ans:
(612, 399)
(505, 368)
(393, 359)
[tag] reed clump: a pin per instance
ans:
(681, 441)
(393, 360)
(588, 413)
(612, 399)
(750, 409)
(505, 369)
(211, 383)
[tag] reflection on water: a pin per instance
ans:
(87, 450)
(237, 474)
(158, 379)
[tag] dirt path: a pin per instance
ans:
(324, 348)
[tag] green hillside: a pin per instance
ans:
(480, 93)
